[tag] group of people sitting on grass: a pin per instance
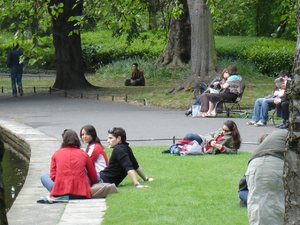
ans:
(73, 170)
(227, 87)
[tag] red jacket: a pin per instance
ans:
(70, 169)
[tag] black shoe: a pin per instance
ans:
(165, 151)
(278, 126)
(189, 112)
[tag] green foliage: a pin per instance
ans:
(186, 190)
(98, 49)
(254, 18)
(269, 55)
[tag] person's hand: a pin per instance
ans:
(218, 146)
(140, 186)
(213, 143)
(149, 179)
(277, 101)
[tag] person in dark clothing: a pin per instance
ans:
(137, 77)
(15, 64)
(122, 161)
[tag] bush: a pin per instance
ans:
(269, 55)
(99, 48)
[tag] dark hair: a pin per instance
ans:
(232, 69)
(279, 80)
(90, 130)
(135, 64)
(118, 132)
(284, 73)
(70, 137)
(234, 132)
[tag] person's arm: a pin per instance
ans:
(142, 175)
(132, 176)
(95, 154)
(53, 168)
(91, 171)
(223, 146)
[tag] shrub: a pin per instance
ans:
(269, 55)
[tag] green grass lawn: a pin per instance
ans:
(159, 80)
(187, 190)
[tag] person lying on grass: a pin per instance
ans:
(122, 161)
(225, 140)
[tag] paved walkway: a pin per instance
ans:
(40, 120)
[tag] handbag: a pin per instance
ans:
(195, 110)
(101, 190)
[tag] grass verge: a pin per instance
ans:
(159, 80)
(187, 190)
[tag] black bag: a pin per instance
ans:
(243, 184)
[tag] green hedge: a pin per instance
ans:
(269, 55)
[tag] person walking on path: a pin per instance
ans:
(15, 64)
(122, 161)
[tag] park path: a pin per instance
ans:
(40, 119)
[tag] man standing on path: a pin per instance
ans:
(16, 69)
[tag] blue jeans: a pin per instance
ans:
(243, 195)
(192, 136)
(16, 79)
(46, 181)
(261, 108)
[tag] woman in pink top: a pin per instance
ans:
(94, 149)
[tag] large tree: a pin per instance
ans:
(292, 156)
(178, 49)
(203, 57)
(67, 43)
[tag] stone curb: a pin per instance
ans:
(37, 147)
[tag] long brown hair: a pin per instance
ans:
(70, 138)
(234, 132)
(90, 130)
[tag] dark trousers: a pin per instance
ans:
(283, 111)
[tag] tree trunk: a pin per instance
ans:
(203, 57)
(67, 43)
(153, 6)
(264, 18)
(177, 51)
(292, 156)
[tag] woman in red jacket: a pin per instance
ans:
(70, 170)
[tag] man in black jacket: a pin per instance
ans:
(122, 161)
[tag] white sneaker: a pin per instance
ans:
(252, 122)
(259, 124)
